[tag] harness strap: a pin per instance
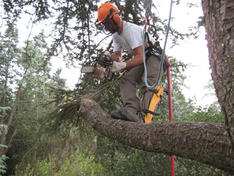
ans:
(146, 111)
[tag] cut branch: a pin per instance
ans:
(204, 142)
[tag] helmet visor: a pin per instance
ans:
(108, 25)
(100, 26)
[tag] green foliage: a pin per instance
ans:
(9, 53)
(142, 163)
(29, 70)
(120, 159)
(4, 108)
(3, 158)
(3, 166)
(208, 114)
(186, 167)
(76, 164)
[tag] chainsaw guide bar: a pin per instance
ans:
(87, 69)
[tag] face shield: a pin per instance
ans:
(108, 25)
(99, 26)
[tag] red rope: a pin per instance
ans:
(170, 112)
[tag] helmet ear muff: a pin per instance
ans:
(114, 15)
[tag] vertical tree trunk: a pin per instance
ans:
(9, 122)
(219, 24)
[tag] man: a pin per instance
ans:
(129, 37)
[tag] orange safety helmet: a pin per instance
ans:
(107, 11)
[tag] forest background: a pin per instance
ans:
(37, 141)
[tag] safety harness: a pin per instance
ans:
(152, 49)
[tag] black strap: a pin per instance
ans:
(146, 111)
(153, 90)
(151, 45)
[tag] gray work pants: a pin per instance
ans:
(136, 76)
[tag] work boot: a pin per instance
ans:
(130, 116)
(117, 115)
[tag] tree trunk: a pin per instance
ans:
(219, 24)
(205, 142)
(5, 131)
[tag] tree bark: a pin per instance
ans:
(204, 142)
(219, 24)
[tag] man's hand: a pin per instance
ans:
(117, 56)
(117, 66)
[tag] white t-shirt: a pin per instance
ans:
(130, 38)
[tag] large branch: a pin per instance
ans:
(204, 142)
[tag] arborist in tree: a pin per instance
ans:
(128, 36)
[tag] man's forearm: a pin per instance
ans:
(136, 60)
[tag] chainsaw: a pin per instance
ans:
(101, 67)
